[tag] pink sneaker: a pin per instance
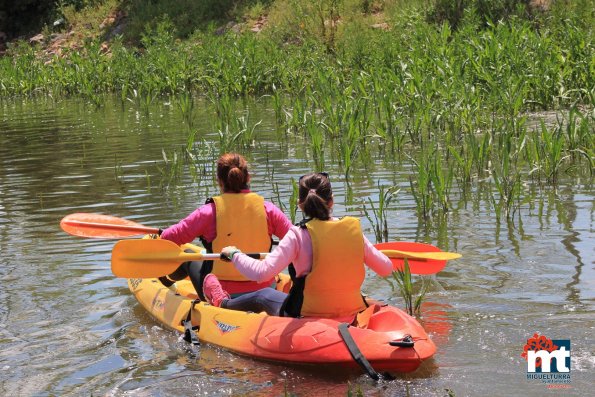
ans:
(212, 290)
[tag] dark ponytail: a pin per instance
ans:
(315, 195)
(232, 173)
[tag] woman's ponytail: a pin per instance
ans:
(232, 173)
(315, 195)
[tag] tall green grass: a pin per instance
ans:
(412, 295)
(378, 216)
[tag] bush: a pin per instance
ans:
(185, 15)
(453, 11)
(18, 18)
(25, 17)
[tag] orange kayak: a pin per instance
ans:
(387, 337)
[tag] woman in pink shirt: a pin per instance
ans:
(242, 224)
(297, 250)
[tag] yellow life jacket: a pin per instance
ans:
(332, 288)
(241, 221)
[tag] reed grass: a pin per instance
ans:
(420, 184)
(293, 200)
(413, 297)
(186, 106)
(441, 182)
(317, 141)
(171, 169)
(506, 177)
(550, 151)
(379, 220)
(277, 99)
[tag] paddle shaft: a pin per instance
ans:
(105, 226)
(185, 256)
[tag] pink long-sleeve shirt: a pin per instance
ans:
(296, 247)
(203, 222)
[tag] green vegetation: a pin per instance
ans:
(413, 297)
(380, 220)
(452, 88)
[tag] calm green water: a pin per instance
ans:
(69, 328)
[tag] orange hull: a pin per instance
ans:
(289, 340)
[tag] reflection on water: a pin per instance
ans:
(68, 327)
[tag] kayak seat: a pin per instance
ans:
(362, 318)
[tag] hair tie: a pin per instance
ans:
(312, 191)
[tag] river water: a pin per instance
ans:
(68, 327)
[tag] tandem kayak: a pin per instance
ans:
(387, 337)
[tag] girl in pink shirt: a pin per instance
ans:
(315, 200)
(233, 177)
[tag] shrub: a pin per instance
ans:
(453, 11)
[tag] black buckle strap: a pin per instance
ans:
(355, 352)
(189, 334)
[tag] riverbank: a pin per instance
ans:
(257, 49)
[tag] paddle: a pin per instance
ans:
(426, 258)
(149, 258)
(103, 226)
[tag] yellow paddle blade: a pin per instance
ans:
(148, 258)
(439, 256)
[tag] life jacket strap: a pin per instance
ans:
(292, 305)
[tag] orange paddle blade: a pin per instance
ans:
(420, 263)
(102, 226)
